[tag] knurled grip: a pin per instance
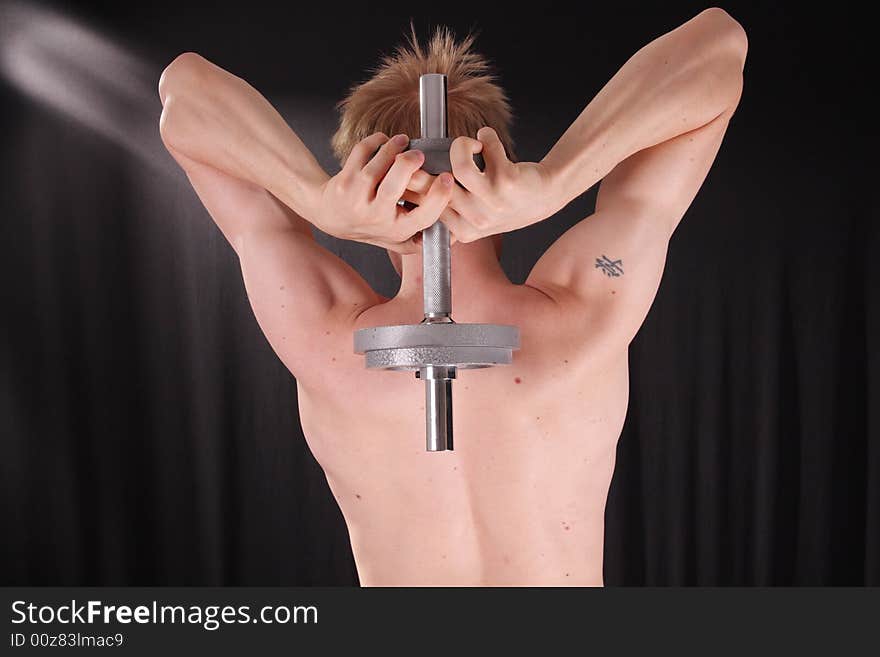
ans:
(437, 273)
(436, 270)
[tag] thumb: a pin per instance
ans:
(433, 203)
(493, 148)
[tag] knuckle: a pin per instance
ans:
(458, 147)
(410, 159)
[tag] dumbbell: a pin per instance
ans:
(438, 347)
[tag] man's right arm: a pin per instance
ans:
(264, 188)
(258, 181)
(216, 119)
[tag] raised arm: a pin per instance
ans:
(257, 180)
(650, 136)
(264, 188)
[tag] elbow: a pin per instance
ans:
(728, 34)
(181, 74)
(176, 84)
(726, 55)
(168, 125)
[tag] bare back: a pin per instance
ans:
(521, 499)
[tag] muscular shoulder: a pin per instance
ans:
(568, 330)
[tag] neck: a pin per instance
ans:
(471, 263)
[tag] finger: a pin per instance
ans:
(429, 210)
(394, 183)
(493, 150)
(415, 192)
(418, 199)
(459, 228)
(462, 201)
(466, 204)
(382, 161)
(363, 151)
(461, 155)
(420, 182)
(414, 243)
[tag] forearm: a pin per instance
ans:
(676, 84)
(218, 119)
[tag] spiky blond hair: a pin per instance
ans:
(389, 101)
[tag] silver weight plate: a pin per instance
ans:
(436, 335)
(412, 346)
(414, 358)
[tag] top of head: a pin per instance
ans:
(389, 101)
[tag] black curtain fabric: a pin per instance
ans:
(148, 434)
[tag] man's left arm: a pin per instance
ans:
(650, 135)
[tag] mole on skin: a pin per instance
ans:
(517, 380)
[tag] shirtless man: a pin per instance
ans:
(521, 500)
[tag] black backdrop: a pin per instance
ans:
(148, 435)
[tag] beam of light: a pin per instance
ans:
(72, 69)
